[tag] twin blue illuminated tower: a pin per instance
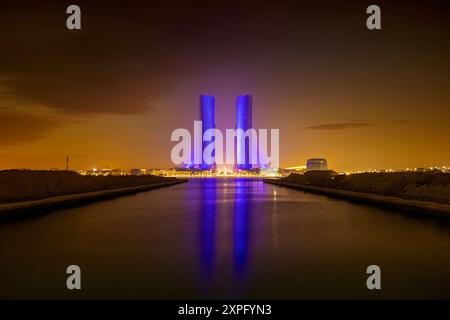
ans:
(243, 121)
(207, 117)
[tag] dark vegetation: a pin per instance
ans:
(20, 185)
(427, 186)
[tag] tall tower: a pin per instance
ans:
(244, 122)
(207, 117)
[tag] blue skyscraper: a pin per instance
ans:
(244, 122)
(207, 118)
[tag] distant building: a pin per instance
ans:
(316, 164)
(135, 172)
(117, 172)
(295, 169)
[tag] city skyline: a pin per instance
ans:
(110, 94)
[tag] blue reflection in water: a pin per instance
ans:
(207, 225)
(241, 212)
(241, 215)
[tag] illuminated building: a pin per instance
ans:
(207, 118)
(316, 164)
(135, 172)
(244, 122)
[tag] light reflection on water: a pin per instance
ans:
(225, 238)
(207, 227)
(241, 219)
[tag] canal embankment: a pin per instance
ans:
(27, 190)
(424, 192)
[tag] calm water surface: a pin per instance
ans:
(225, 238)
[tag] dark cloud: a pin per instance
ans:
(19, 127)
(354, 124)
(341, 125)
(120, 60)
(127, 56)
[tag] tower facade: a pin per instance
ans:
(244, 122)
(207, 118)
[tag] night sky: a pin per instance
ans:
(110, 95)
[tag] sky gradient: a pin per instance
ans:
(110, 95)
